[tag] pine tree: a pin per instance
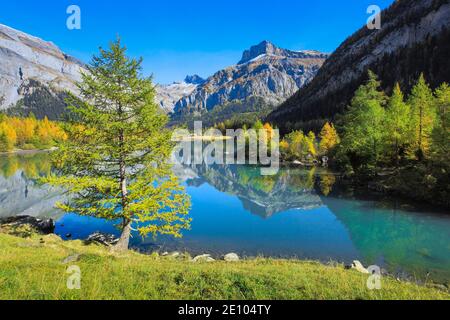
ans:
(397, 124)
(115, 162)
(258, 126)
(423, 115)
(363, 124)
(441, 131)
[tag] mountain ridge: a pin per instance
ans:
(33, 69)
(264, 71)
(414, 38)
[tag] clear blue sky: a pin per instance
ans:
(177, 37)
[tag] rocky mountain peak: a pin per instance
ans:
(194, 79)
(264, 47)
(267, 48)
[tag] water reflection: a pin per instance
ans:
(19, 192)
(261, 195)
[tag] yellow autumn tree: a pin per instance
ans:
(311, 143)
(8, 137)
(284, 146)
(329, 138)
(269, 131)
(25, 129)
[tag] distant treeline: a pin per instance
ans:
(29, 133)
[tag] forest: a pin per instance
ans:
(399, 142)
(29, 133)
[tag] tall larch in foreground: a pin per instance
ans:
(115, 163)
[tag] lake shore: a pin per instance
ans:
(35, 268)
(25, 152)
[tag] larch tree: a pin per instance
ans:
(312, 144)
(397, 123)
(115, 162)
(329, 139)
(441, 131)
(8, 137)
(364, 123)
(423, 115)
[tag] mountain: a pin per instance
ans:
(414, 38)
(168, 95)
(264, 71)
(34, 75)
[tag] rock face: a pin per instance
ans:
(168, 95)
(264, 71)
(34, 73)
(414, 38)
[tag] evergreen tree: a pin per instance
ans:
(423, 115)
(363, 124)
(397, 124)
(258, 126)
(441, 131)
(115, 161)
(296, 142)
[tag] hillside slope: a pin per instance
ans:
(265, 71)
(34, 74)
(414, 38)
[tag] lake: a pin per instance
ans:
(298, 213)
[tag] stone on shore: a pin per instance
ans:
(203, 258)
(25, 226)
(231, 257)
(103, 239)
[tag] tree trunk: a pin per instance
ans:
(124, 240)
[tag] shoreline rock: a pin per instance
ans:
(15, 224)
(231, 257)
(103, 239)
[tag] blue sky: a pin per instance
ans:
(177, 37)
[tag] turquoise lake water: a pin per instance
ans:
(296, 214)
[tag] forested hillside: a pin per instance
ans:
(414, 39)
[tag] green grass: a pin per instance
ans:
(33, 269)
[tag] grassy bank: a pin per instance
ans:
(32, 269)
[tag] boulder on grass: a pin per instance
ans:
(231, 257)
(203, 258)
